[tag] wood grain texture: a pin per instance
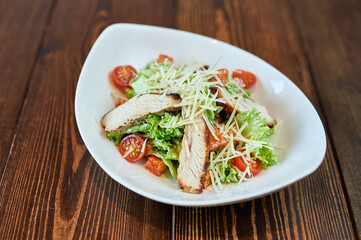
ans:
(333, 43)
(21, 30)
(51, 187)
(305, 209)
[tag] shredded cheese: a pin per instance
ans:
(193, 87)
(144, 145)
(128, 152)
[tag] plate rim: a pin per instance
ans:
(195, 203)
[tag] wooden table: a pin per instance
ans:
(50, 186)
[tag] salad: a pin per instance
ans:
(196, 121)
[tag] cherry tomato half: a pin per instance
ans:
(122, 75)
(163, 57)
(244, 79)
(254, 168)
(131, 148)
(119, 102)
(222, 74)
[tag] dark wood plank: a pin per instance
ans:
(332, 34)
(51, 187)
(313, 208)
(22, 26)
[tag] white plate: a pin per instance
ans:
(302, 135)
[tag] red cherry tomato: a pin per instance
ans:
(122, 75)
(163, 57)
(223, 75)
(253, 167)
(131, 148)
(119, 102)
(244, 79)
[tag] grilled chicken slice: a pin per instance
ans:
(215, 144)
(193, 158)
(246, 105)
(136, 109)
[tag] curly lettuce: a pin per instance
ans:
(228, 173)
(166, 139)
(148, 77)
(233, 88)
(256, 129)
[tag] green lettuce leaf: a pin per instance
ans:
(213, 114)
(166, 140)
(130, 92)
(258, 130)
(227, 173)
(233, 88)
(140, 86)
(117, 137)
(148, 77)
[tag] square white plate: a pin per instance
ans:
(302, 135)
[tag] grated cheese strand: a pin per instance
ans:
(193, 87)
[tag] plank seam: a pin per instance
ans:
(175, 17)
(173, 222)
(326, 124)
(23, 102)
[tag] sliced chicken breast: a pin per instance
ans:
(136, 109)
(193, 158)
(246, 105)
